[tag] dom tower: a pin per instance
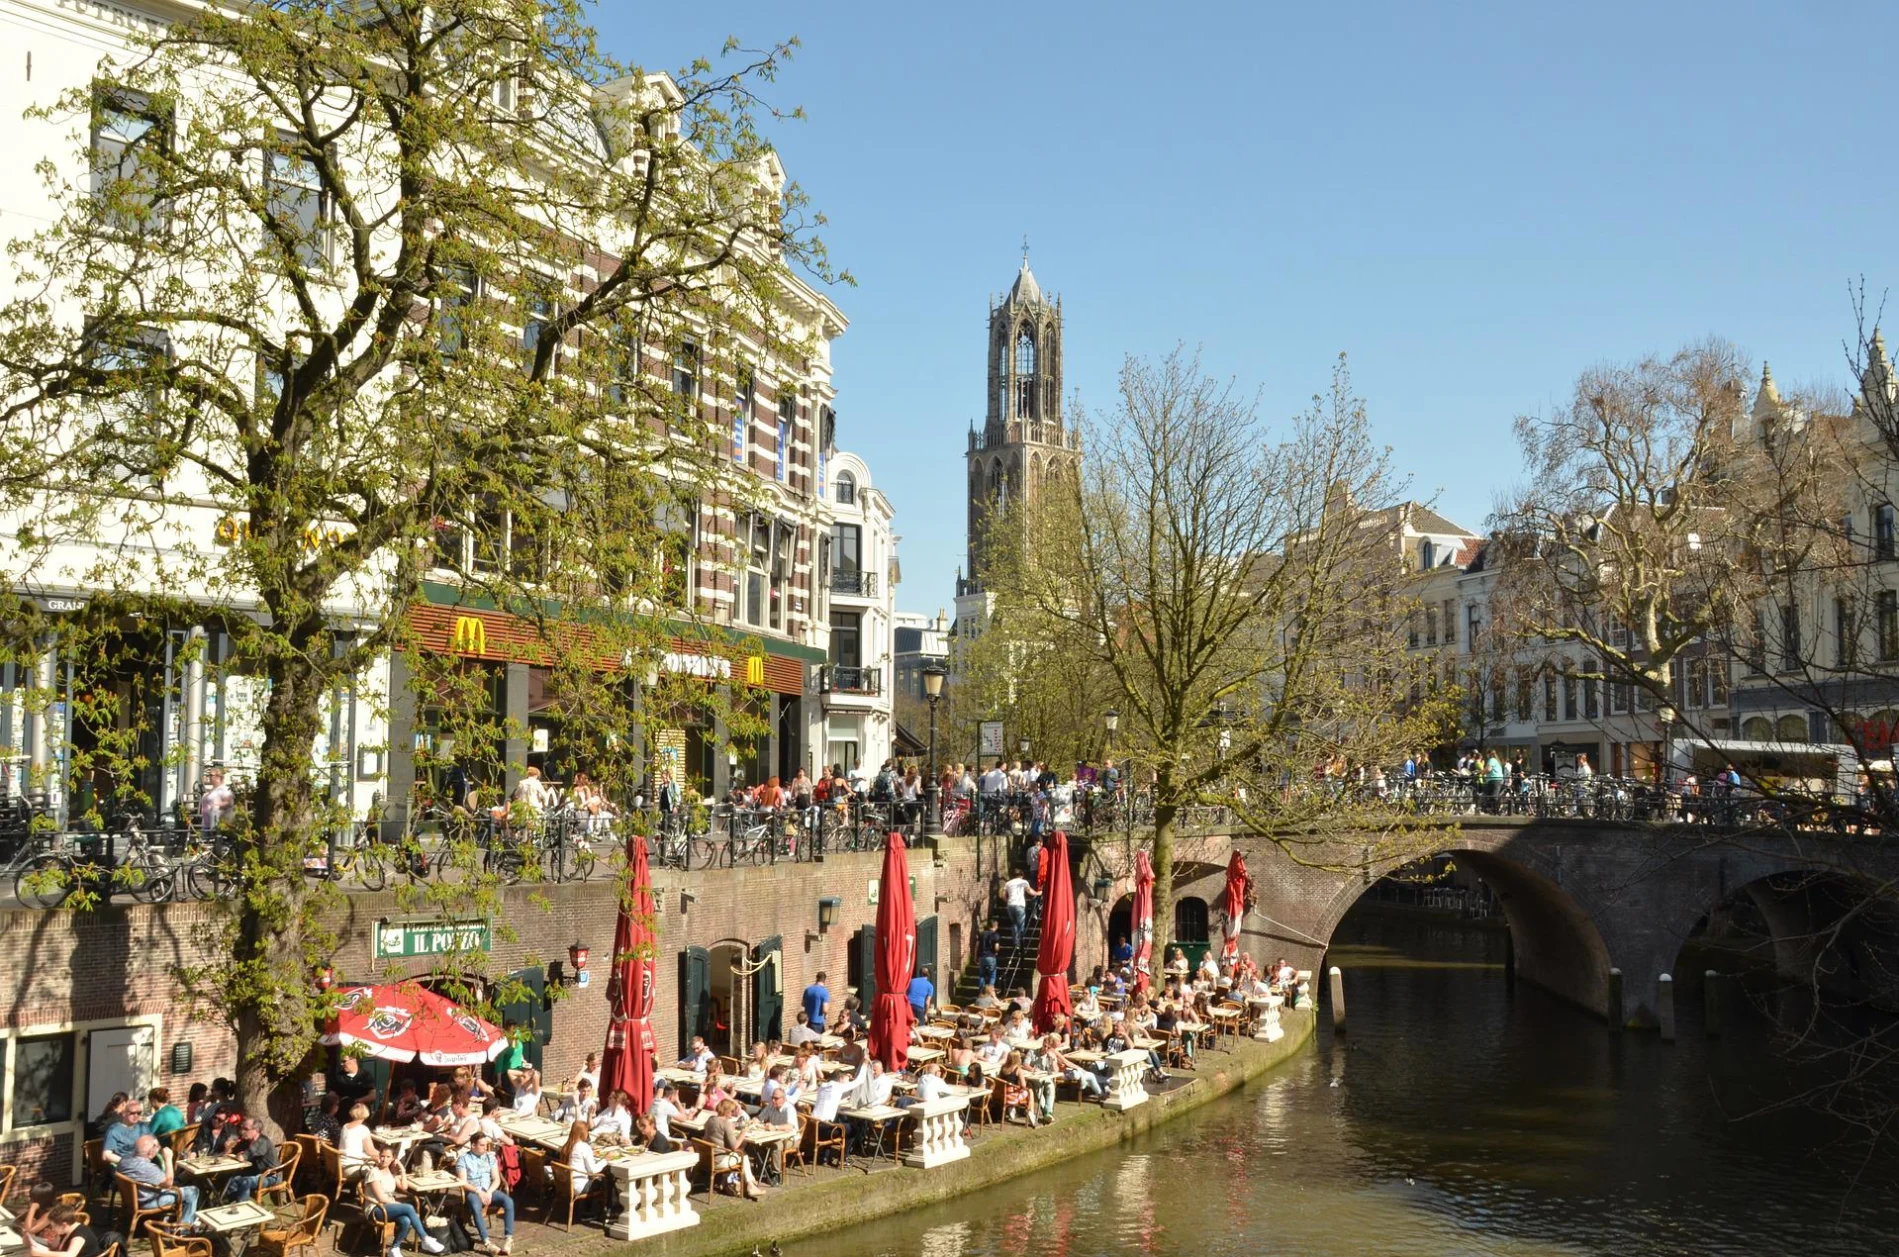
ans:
(1023, 443)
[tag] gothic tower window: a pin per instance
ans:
(1025, 374)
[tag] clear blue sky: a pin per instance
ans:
(1474, 201)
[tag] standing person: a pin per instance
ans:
(383, 1182)
(922, 994)
(217, 801)
(988, 948)
(480, 1175)
(1493, 782)
(817, 1004)
(1016, 893)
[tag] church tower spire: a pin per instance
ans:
(1024, 441)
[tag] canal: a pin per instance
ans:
(1457, 1116)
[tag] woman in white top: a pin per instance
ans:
(616, 1116)
(580, 1158)
(527, 1092)
(355, 1142)
(758, 1064)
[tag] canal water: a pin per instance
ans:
(1457, 1116)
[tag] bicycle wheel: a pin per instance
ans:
(43, 882)
(580, 859)
(372, 867)
(147, 878)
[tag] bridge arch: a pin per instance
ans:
(1558, 943)
(1829, 929)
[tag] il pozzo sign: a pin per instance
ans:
(397, 940)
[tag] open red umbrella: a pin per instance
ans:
(1237, 886)
(1143, 915)
(1058, 939)
(406, 1021)
(890, 1016)
(627, 1064)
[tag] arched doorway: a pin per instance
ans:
(1120, 922)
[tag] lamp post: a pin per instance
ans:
(933, 675)
(1111, 721)
(1023, 746)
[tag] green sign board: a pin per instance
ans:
(397, 940)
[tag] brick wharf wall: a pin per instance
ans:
(117, 966)
(83, 971)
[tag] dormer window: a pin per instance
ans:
(846, 489)
(1427, 555)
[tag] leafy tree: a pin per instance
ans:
(346, 298)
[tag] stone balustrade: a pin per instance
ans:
(939, 1132)
(653, 1188)
(1125, 1088)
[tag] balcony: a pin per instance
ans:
(838, 678)
(854, 584)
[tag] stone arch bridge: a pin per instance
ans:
(1581, 897)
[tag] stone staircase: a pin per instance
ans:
(1015, 967)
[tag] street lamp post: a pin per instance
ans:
(933, 690)
(1023, 746)
(1111, 721)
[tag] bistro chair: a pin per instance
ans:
(331, 1183)
(299, 1235)
(167, 1242)
(361, 1212)
(111, 1250)
(309, 1160)
(181, 1140)
(7, 1175)
(564, 1193)
(794, 1148)
(76, 1199)
(98, 1176)
(285, 1175)
(716, 1161)
(135, 1214)
(533, 1172)
(825, 1135)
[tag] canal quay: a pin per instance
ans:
(1460, 1113)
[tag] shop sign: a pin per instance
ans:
(231, 530)
(755, 670)
(58, 605)
(471, 636)
(709, 667)
(990, 738)
(398, 940)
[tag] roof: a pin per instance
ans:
(1025, 289)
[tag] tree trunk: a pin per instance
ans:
(268, 988)
(1166, 816)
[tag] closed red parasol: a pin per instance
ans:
(1058, 939)
(1237, 887)
(627, 1064)
(1143, 921)
(890, 1016)
(406, 1021)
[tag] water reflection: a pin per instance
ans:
(1466, 1118)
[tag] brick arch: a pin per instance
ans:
(1557, 935)
(1835, 927)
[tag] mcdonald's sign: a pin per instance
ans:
(754, 669)
(471, 636)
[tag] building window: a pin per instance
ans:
(1549, 697)
(1888, 604)
(42, 1080)
(846, 489)
(1524, 695)
(1789, 637)
(1697, 682)
(130, 135)
(1430, 626)
(1190, 920)
(1591, 698)
(1619, 698)
(1845, 634)
(460, 287)
(847, 542)
(299, 205)
(1718, 681)
(1570, 706)
(846, 639)
(539, 313)
(742, 412)
(1025, 374)
(1427, 555)
(686, 374)
(1883, 531)
(1450, 621)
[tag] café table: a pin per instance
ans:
(769, 1143)
(923, 1055)
(431, 1188)
(234, 1223)
(532, 1129)
(398, 1139)
(936, 1034)
(878, 1117)
(11, 1239)
(212, 1166)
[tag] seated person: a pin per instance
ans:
(758, 1064)
(801, 1032)
(251, 1144)
(807, 1066)
(648, 1135)
(930, 1086)
(712, 1093)
(872, 1086)
(988, 998)
(40, 1200)
(383, 1184)
(994, 1052)
(724, 1134)
(698, 1056)
(852, 1053)
(578, 1105)
(1012, 1076)
(665, 1108)
(1088, 1007)
(777, 1111)
(408, 1107)
(1052, 1060)
(156, 1190)
(527, 1091)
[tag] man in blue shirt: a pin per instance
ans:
(156, 1189)
(922, 993)
(817, 1004)
(121, 1138)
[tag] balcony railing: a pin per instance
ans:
(861, 584)
(838, 679)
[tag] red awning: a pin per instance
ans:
(890, 1016)
(627, 1063)
(1058, 938)
(1143, 915)
(406, 1021)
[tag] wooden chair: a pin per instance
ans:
(181, 1140)
(309, 1160)
(794, 1149)
(363, 1212)
(1016, 1098)
(331, 1182)
(988, 1106)
(167, 1242)
(823, 1135)
(716, 1161)
(285, 1173)
(135, 1214)
(301, 1234)
(76, 1199)
(563, 1191)
(732, 1066)
(98, 1183)
(534, 1173)
(7, 1174)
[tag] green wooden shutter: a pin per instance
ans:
(695, 994)
(768, 988)
(926, 952)
(867, 967)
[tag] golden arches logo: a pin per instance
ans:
(471, 636)
(755, 670)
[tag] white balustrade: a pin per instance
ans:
(939, 1132)
(653, 1188)
(1125, 1089)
